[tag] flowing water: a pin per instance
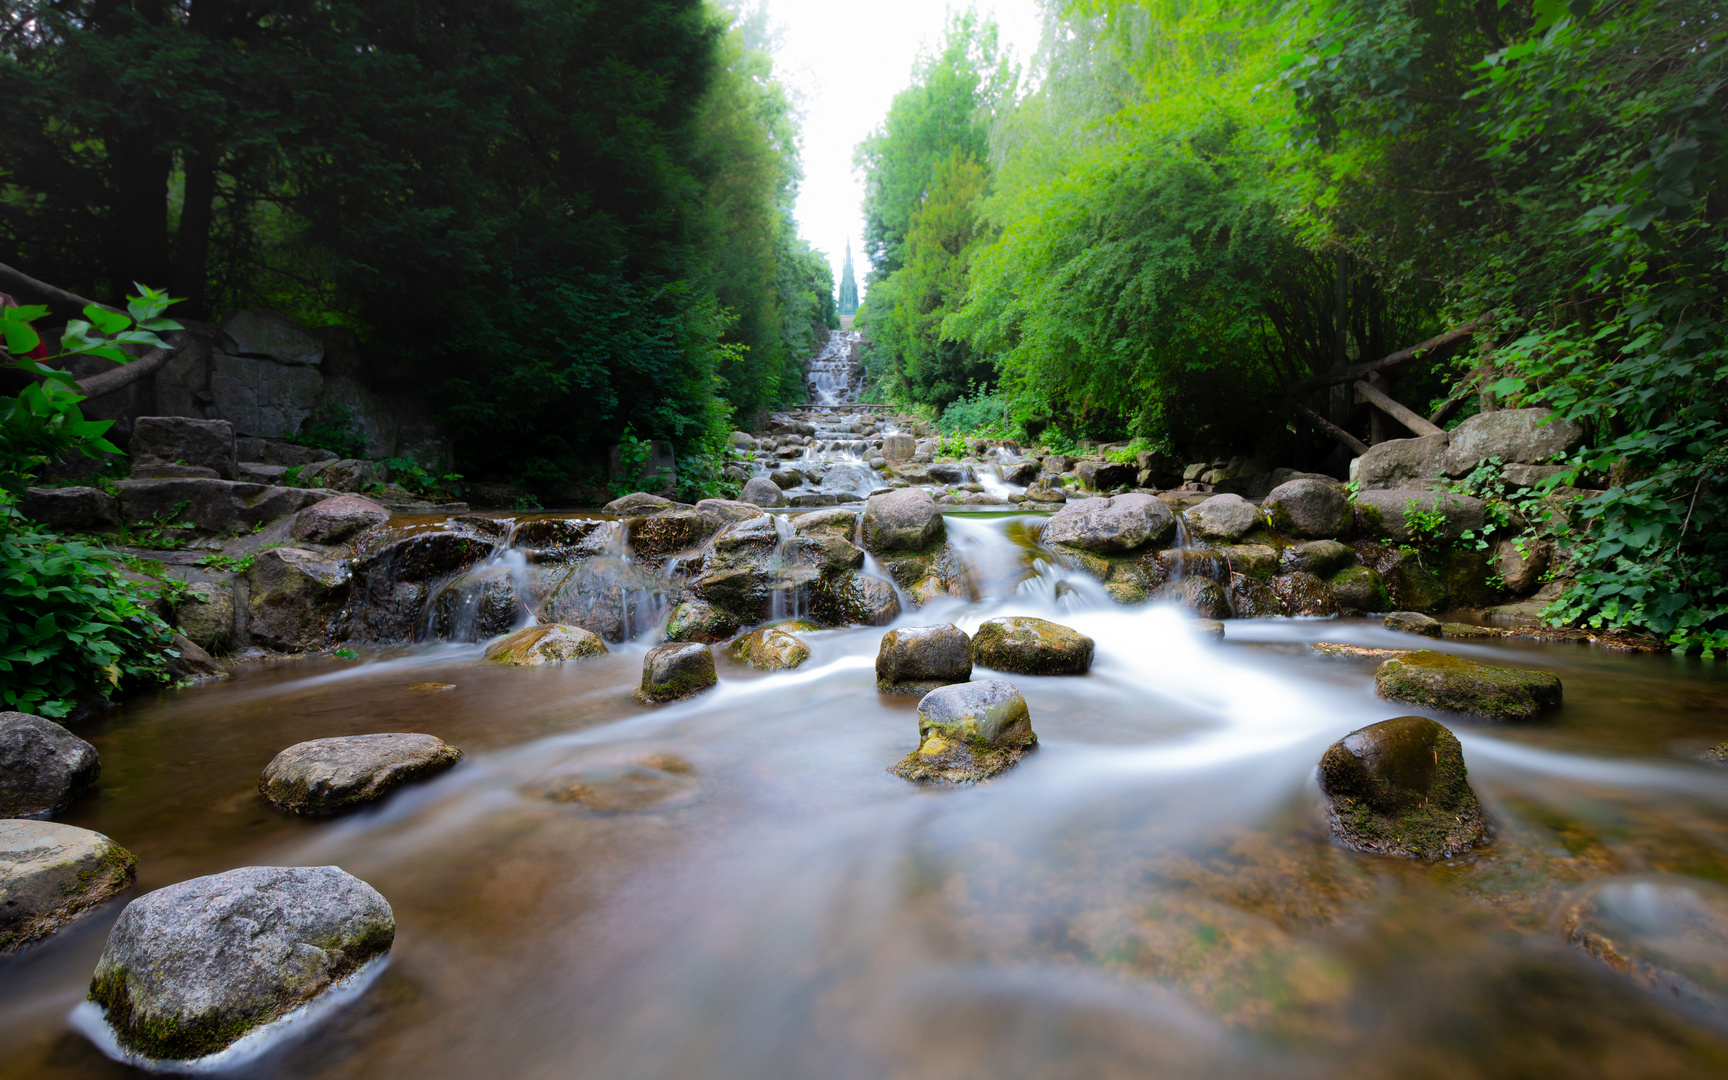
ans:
(734, 886)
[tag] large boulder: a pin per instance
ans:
(1359, 588)
(1399, 787)
(898, 447)
(50, 874)
(1442, 681)
(676, 670)
(772, 648)
(1522, 436)
(225, 507)
(296, 597)
(1031, 646)
(547, 643)
(1223, 518)
(903, 520)
(1400, 463)
(640, 503)
(694, 620)
(917, 659)
(1312, 509)
(850, 598)
(1410, 514)
(69, 509)
(181, 440)
(337, 519)
(1322, 558)
(763, 492)
(271, 335)
(329, 776)
(1105, 475)
(191, 968)
(969, 732)
(610, 596)
(43, 767)
(1111, 525)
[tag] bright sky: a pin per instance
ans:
(847, 61)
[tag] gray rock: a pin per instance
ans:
(1224, 518)
(1388, 512)
(969, 732)
(676, 670)
(1044, 493)
(1359, 588)
(917, 659)
(1031, 646)
(763, 492)
(640, 503)
(547, 643)
(1105, 475)
(1413, 622)
(172, 440)
(1204, 597)
(1528, 476)
(1322, 558)
(335, 520)
(191, 968)
(903, 520)
(272, 336)
(256, 472)
(329, 776)
(610, 596)
(50, 874)
(836, 521)
(1111, 525)
(69, 509)
(693, 620)
(1400, 787)
(1315, 509)
(224, 507)
(296, 597)
(1521, 563)
(853, 599)
(342, 474)
(786, 478)
(187, 662)
(898, 447)
(43, 767)
(1522, 436)
(1400, 463)
(772, 648)
(280, 452)
(141, 471)
(206, 616)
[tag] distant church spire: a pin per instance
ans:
(848, 286)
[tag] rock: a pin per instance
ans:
(1359, 588)
(1019, 473)
(1315, 509)
(1044, 493)
(676, 670)
(558, 539)
(1303, 593)
(1401, 463)
(181, 440)
(917, 659)
(1355, 652)
(1400, 787)
(763, 492)
(669, 532)
(337, 519)
(1031, 646)
(658, 780)
(43, 767)
(786, 478)
(548, 643)
(225, 507)
(1254, 597)
(742, 440)
(724, 512)
(1528, 476)
(329, 776)
(165, 472)
(1322, 558)
(1440, 681)
(772, 648)
(1111, 525)
(1393, 513)
(1411, 585)
(191, 968)
(206, 616)
(1667, 933)
(1105, 475)
(342, 474)
(1413, 622)
(296, 598)
(1458, 630)
(1211, 628)
(950, 473)
(640, 504)
(898, 447)
(50, 874)
(274, 336)
(1203, 596)
(69, 509)
(903, 520)
(188, 663)
(853, 599)
(1463, 572)
(1223, 518)
(279, 452)
(1520, 563)
(610, 596)
(1521, 436)
(1252, 560)
(693, 620)
(968, 733)
(836, 521)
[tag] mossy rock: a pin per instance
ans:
(52, 874)
(772, 648)
(694, 620)
(1400, 787)
(1031, 646)
(676, 670)
(967, 733)
(548, 643)
(1251, 560)
(1411, 585)
(1359, 588)
(1464, 574)
(1440, 681)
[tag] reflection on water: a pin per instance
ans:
(733, 886)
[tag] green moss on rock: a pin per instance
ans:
(1441, 681)
(1400, 787)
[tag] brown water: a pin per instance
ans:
(734, 886)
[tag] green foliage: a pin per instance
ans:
(227, 563)
(334, 430)
(417, 480)
(981, 414)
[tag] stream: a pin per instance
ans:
(733, 886)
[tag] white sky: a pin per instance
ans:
(846, 61)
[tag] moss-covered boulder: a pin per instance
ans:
(1251, 560)
(1304, 594)
(1411, 583)
(772, 648)
(918, 659)
(191, 968)
(676, 670)
(967, 733)
(850, 598)
(694, 620)
(1464, 574)
(1399, 787)
(51, 874)
(1359, 588)
(1202, 596)
(1031, 646)
(329, 776)
(1441, 681)
(548, 643)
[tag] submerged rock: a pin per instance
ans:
(1031, 646)
(1315, 509)
(1441, 681)
(191, 968)
(328, 776)
(620, 789)
(548, 643)
(1413, 622)
(50, 874)
(1355, 652)
(967, 733)
(676, 670)
(1667, 933)
(772, 648)
(1111, 526)
(1224, 518)
(694, 620)
(43, 767)
(1399, 787)
(917, 659)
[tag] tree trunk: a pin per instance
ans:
(192, 245)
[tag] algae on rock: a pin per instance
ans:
(1400, 787)
(1442, 681)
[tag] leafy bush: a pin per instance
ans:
(981, 414)
(335, 431)
(409, 474)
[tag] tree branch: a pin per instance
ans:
(59, 301)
